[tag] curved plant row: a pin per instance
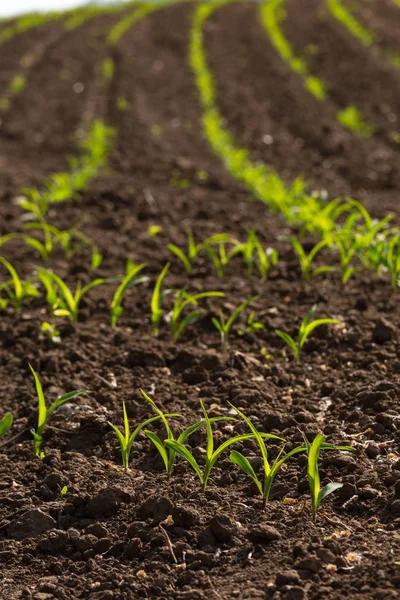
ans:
(310, 212)
(366, 36)
(176, 445)
(72, 20)
(272, 15)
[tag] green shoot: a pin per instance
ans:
(347, 253)
(52, 332)
(270, 471)
(352, 118)
(63, 302)
(16, 289)
(188, 259)
(211, 454)
(252, 326)
(224, 325)
(306, 328)
(126, 438)
(5, 424)
(183, 300)
(44, 413)
(156, 301)
(166, 452)
(392, 260)
(306, 260)
(129, 280)
(107, 69)
(318, 494)
(221, 257)
(253, 253)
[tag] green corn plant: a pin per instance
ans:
(52, 332)
(44, 413)
(126, 437)
(63, 302)
(34, 202)
(224, 325)
(211, 454)
(352, 118)
(221, 257)
(131, 279)
(313, 450)
(252, 326)
(254, 254)
(179, 321)
(16, 289)
(168, 454)
(391, 260)
(306, 260)
(193, 249)
(306, 328)
(270, 471)
(347, 251)
(157, 300)
(6, 424)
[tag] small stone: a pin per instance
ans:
(222, 528)
(157, 508)
(368, 493)
(54, 482)
(86, 542)
(395, 507)
(372, 450)
(288, 578)
(97, 529)
(295, 593)
(185, 517)
(30, 524)
(326, 555)
(263, 534)
(133, 548)
(311, 564)
(105, 502)
(384, 331)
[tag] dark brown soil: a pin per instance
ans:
(105, 539)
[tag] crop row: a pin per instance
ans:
(174, 445)
(272, 15)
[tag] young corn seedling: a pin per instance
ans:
(131, 279)
(166, 452)
(157, 300)
(126, 437)
(183, 300)
(16, 289)
(44, 413)
(392, 260)
(254, 254)
(188, 259)
(306, 328)
(224, 325)
(270, 471)
(313, 450)
(211, 454)
(64, 303)
(52, 332)
(347, 250)
(221, 257)
(252, 326)
(306, 260)
(5, 424)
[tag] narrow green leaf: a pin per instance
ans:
(159, 445)
(241, 461)
(5, 424)
(184, 452)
